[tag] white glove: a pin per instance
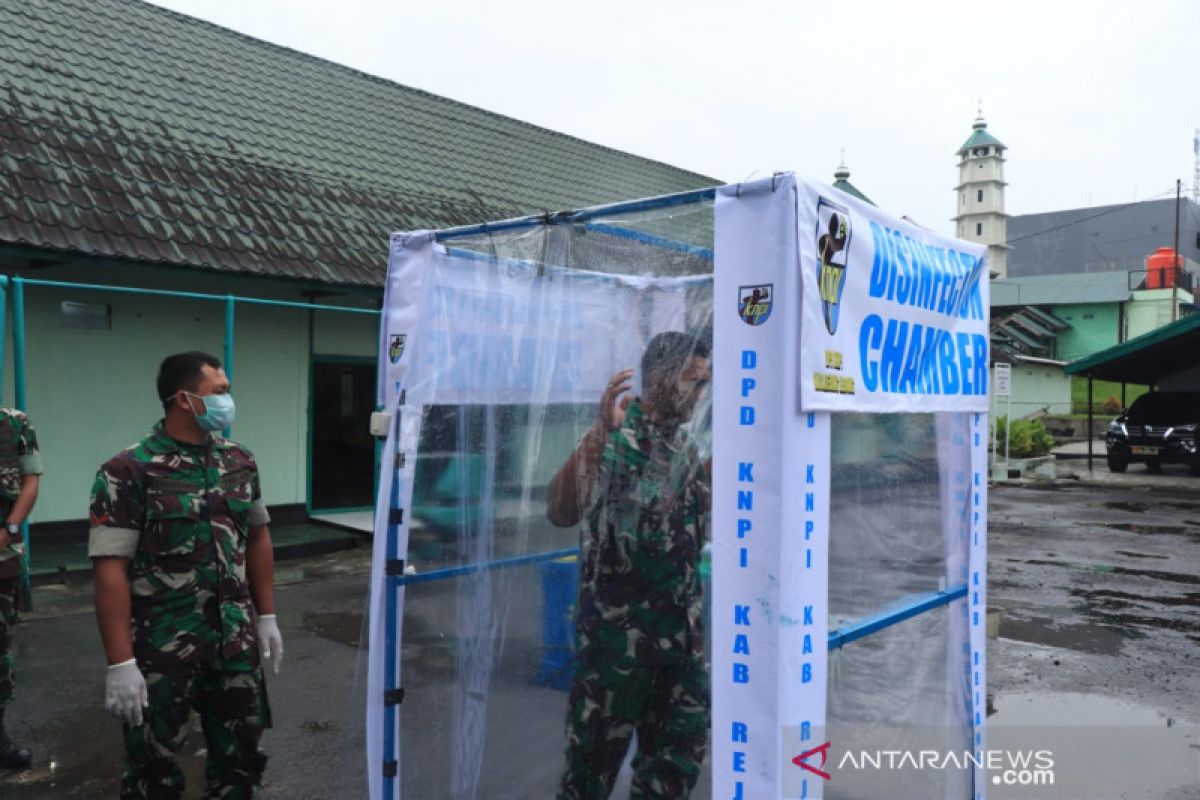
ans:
(270, 641)
(125, 692)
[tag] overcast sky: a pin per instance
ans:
(1097, 101)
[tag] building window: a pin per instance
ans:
(979, 229)
(86, 316)
(979, 195)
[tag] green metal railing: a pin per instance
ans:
(231, 302)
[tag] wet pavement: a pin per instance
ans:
(1095, 579)
(316, 745)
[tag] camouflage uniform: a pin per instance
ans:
(639, 663)
(19, 456)
(181, 513)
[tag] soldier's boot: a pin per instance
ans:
(12, 755)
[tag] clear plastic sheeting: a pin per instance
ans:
(520, 333)
(885, 537)
(887, 698)
(902, 688)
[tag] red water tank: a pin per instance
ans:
(1162, 268)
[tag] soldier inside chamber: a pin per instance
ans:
(638, 484)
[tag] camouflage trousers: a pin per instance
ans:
(233, 712)
(9, 592)
(612, 696)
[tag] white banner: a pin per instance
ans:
(977, 596)
(770, 512)
(962, 456)
(895, 317)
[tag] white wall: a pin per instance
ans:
(1036, 387)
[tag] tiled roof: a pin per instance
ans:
(850, 189)
(129, 131)
(980, 138)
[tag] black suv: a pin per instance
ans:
(1159, 428)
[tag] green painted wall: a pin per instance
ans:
(1094, 326)
(91, 392)
(345, 334)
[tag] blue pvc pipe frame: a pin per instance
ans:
(391, 760)
(18, 295)
(911, 607)
(25, 595)
(852, 632)
(582, 215)
(19, 400)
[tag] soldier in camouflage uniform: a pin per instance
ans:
(638, 484)
(20, 466)
(184, 589)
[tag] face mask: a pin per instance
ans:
(218, 411)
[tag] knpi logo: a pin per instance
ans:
(396, 347)
(833, 247)
(754, 303)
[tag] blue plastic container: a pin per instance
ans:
(560, 587)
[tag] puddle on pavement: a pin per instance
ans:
(1161, 623)
(1124, 505)
(1115, 599)
(1094, 638)
(338, 626)
(1153, 530)
(1113, 608)
(1158, 575)
(1132, 554)
(1044, 562)
(1045, 708)
(75, 759)
(1100, 746)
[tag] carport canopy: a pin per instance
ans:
(1148, 358)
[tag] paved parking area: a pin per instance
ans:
(1096, 579)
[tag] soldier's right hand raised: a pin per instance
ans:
(616, 399)
(125, 692)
